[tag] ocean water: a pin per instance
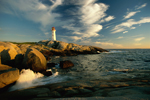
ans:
(116, 64)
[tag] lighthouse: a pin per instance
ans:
(53, 34)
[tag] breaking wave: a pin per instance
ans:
(28, 78)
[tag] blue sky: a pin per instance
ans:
(103, 23)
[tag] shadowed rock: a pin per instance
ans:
(66, 64)
(18, 61)
(51, 65)
(47, 73)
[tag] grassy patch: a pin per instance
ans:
(24, 42)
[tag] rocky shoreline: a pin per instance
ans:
(15, 57)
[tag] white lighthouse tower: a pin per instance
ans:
(53, 34)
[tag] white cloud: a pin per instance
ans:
(107, 19)
(118, 30)
(133, 28)
(130, 14)
(89, 15)
(92, 12)
(75, 37)
(128, 24)
(109, 44)
(107, 27)
(139, 39)
(105, 43)
(33, 10)
(120, 37)
(142, 6)
(55, 3)
(125, 32)
(92, 30)
(42, 7)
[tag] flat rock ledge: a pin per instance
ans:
(95, 89)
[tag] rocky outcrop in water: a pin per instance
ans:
(66, 64)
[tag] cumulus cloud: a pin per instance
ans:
(109, 44)
(85, 19)
(92, 30)
(130, 14)
(141, 6)
(139, 39)
(92, 12)
(89, 14)
(125, 32)
(129, 23)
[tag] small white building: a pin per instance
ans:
(53, 34)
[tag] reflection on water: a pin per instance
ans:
(116, 62)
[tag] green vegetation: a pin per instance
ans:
(24, 42)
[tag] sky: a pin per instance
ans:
(110, 24)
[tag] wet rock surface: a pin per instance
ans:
(82, 88)
(66, 64)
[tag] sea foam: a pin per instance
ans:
(28, 79)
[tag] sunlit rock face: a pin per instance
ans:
(24, 47)
(63, 48)
(8, 52)
(34, 60)
(57, 45)
(8, 75)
